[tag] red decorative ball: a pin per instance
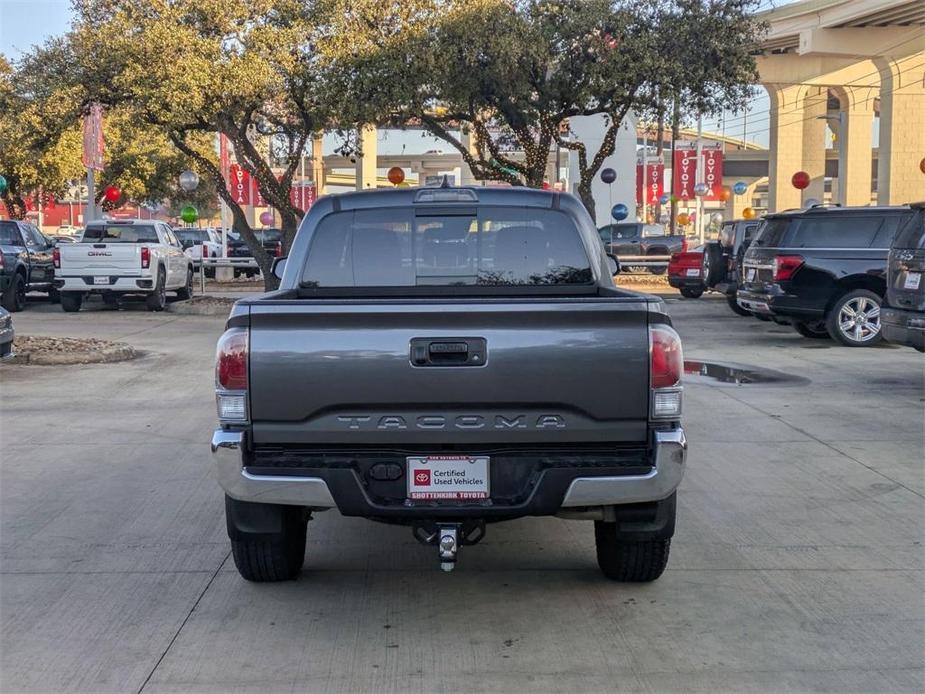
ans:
(800, 180)
(396, 175)
(112, 193)
(922, 165)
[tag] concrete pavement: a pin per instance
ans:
(797, 565)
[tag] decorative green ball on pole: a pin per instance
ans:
(3, 185)
(189, 214)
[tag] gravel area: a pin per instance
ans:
(203, 306)
(59, 351)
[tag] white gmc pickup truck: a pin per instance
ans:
(117, 257)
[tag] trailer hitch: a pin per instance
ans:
(449, 537)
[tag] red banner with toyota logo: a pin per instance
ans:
(713, 170)
(239, 184)
(684, 175)
(655, 181)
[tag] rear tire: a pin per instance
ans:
(186, 291)
(14, 298)
(71, 301)
(267, 556)
(712, 263)
(736, 309)
(814, 330)
(637, 561)
(157, 300)
(854, 319)
(690, 293)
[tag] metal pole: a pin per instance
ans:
(90, 210)
(643, 188)
(700, 175)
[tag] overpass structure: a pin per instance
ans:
(843, 63)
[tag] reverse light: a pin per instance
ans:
(56, 257)
(785, 266)
(232, 407)
(666, 364)
(145, 257)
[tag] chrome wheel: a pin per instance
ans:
(859, 319)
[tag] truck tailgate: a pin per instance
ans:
(555, 371)
(100, 258)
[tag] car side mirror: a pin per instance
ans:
(278, 267)
(614, 264)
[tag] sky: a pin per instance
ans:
(24, 23)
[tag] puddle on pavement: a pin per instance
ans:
(736, 374)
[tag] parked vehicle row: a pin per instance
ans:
(6, 334)
(830, 272)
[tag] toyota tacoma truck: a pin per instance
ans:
(446, 358)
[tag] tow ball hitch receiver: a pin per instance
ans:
(448, 537)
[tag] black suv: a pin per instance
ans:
(904, 312)
(823, 270)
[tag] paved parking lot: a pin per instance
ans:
(797, 565)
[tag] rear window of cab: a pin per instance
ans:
(421, 247)
(135, 233)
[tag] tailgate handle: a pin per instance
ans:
(453, 351)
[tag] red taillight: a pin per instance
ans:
(667, 362)
(145, 257)
(55, 257)
(785, 266)
(231, 360)
(279, 249)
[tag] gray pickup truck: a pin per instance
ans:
(445, 358)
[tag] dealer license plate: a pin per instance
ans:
(912, 280)
(693, 272)
(750, 274)
(100, 280)
(447, 477)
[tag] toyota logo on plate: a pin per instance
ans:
(422, 478)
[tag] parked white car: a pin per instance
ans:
(198, 243)
(117, 257)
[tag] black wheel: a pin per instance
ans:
(854, 319)
(658, 269)
(736, 309)
(633, 561)
(71, 301)
(275, 554)
(14, 298)
(691, 293)
(814, 329)
(157, 299)
(712, 263)
(186, 291)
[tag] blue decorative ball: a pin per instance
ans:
(739, 188)
(608, 176)
(619, 212)
(663, 200)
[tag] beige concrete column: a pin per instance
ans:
(786, 145)
(902, 131)
(815, 109)
(468, 140)
(318, 174)
(367, 158)
(854, 146)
